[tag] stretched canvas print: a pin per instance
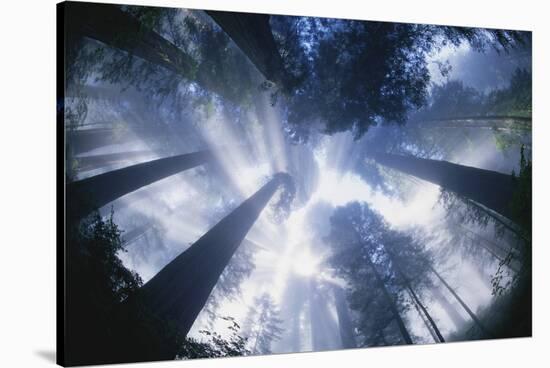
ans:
(237, 184)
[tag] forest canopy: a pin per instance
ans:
(242, 184)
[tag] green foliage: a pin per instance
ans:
(461, 210)
(361, 74)
(515, 100)
(99, 243)
(364, 250)
(522, 200)
(509, 315)
(149, 17)
(522, 211)
(228, 287)
(107, 322)
(214, 345)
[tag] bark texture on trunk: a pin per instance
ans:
(112, 26)
(83, 196)
(180, 290)
(449, 308)
(463, 304)
(490, 188)
(391, 303)
(92, 162)
(252, 33)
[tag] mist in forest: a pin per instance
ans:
(243, 184)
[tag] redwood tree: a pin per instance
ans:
(83, 196)
(489, 188)
(180, 290)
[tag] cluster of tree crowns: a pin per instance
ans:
(345, 75)
(330, 75)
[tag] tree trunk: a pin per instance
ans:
(110, 25)
(512, 266)
(83, 196)
(450, 309)
(495, 247)
(425, 320)
(417, 301)
(93, 162)
(425, 312)
(344, 321)
(84, 140)
(496, 250)
(507, 223)
(463, 304)
(252, 34)
(391, 303)
(180, 290)
(492, 189)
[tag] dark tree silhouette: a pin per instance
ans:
(489, 188)
(92, 162)
(476, 320)
(252, 33)
(432, 326)
(94, 192)
(449, 308)
(356, 238)
(84, 140)
(180, 290)
(111, 25)
(121, 30)
(391, 304)
(364, 73)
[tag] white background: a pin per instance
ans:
(27, 206)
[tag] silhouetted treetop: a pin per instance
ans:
(360, 74)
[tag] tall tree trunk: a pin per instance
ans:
(180, 290)
(495, 247)
(397, 263)
(84, 140)
(425, 320)
(425, 312)
(93, 162)
(463, 304)
(450, 309)
(83, 196)
(498, 218)
(344, 321)
(391, 303)
(110, 25)
(252, 33)
(492, 189)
